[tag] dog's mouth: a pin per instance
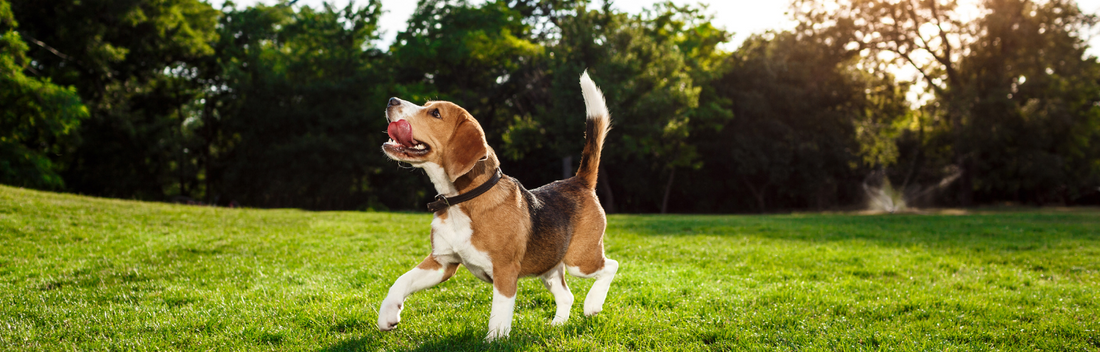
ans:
(417, 149)
(402, 143)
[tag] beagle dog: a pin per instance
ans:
(493, 225)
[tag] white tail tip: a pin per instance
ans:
(594, 104)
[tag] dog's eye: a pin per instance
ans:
(435, 113)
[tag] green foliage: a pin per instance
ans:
(98, 274)
(480, 57)
(647, 86)
(133, 65)
(1014, 109)
(799, 113)
(647, 66)
(280, 106)
(1034, 126)
(299, 87)
(37, 119)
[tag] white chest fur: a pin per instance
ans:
(451, 242)
(451, 236)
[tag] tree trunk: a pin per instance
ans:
(909, 176)
(207, 150)
(758, 194)
(668, 190)
(180, 145)
(608, 198)
(966, 183)
(567, 167)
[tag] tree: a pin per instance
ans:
(38, 118)
(470, 55)
(640, 64)
(1006, 144)
(298, 122)
(1033, 121)
(797, 104)
(926, 35)
(132, 63)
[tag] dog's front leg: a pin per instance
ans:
(429, 273)
(505, 281)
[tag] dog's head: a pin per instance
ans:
(439, 132)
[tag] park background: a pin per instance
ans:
(934, 103)
(281, 106)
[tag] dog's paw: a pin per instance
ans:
(590, 311)
(389, 315)
(496, 334)
(558, 321)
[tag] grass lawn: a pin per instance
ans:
(96, 274)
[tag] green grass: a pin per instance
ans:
(96, 274)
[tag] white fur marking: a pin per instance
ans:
(500, 318)
(576, 272)
(401, 114)
(414, 280)
(594, 103)
(442, 182)
(593, 302)
(554, 281)
(451, 239)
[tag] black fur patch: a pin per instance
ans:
(552, 208)
(589, 137)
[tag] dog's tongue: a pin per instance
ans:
(402, 132)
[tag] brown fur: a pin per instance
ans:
(430, 263)
(594, 134)
(467, 147)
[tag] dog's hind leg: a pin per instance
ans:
(555, 282)
(429, 273)
(604, 274)
(585, 257)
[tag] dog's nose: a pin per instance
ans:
(394, 101)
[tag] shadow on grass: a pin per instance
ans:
(469, 340)
(537, 337)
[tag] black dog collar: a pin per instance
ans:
(441, 202)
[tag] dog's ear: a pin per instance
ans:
(467, 147)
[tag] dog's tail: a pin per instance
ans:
(596, 128)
